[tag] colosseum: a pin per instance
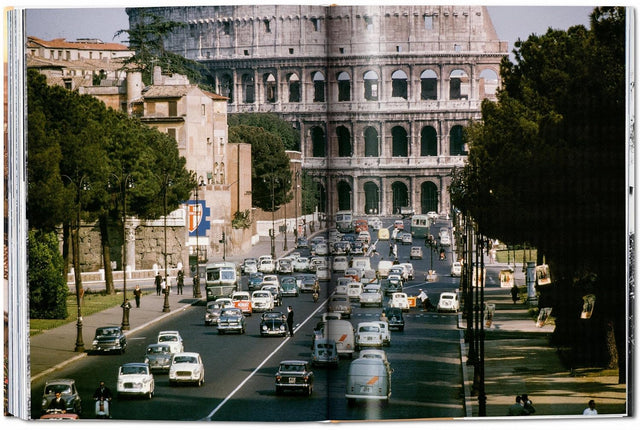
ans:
(379, 94)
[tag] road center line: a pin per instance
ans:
(284, 341)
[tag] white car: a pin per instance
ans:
(369, 334)
(375, 223)
(322, 249)
(250, 265)
(271, 279)
(371, 296)
(186, 367)
(445, 240)
(262, 300)
(448, 303)
(135, 379)
(386, 335)
(416, 252)
(399, 300)
(456, 269)
(340, 263)
(323, 273)
(267, 266)
(411, 273)
(301, 264)
(402, 271)
(365, 237)
(354, 289)
(173, 339)
(432, 215)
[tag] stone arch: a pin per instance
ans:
(344, 195)
(371, 198)
(371, 142)
(488, 83)
(318, 142)
(319, 85)
(226, 86)
(459, 85)
(428, 142)
(399, 86)
(344, 141)
(428, 85)
(344, 87)
(399, 196)
(248, 88)
(399, 142)
(428, 197)
(371, 85)
(294, 88)
(270, 88)
(457, 141)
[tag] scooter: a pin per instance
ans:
(315, 296)
(103, 409)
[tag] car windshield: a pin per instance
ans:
(369, 328)
(54, 388)
(272, 315)
(292, 367)
(231, 312)
(168, 338)
(133, 370)
(107, 332)
(157, 349)
(185, 359)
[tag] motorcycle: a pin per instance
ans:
(103, 408)
(315, 296)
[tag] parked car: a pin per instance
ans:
(173, 339)
(294, 375)
(368, 335)
(158, 357)
(416, 252)
(109, 339)
(135, 379)
(68, 391)
(242, 300)
(262, 300)
(456, 269)
(255, 281)
(340, 303)
(232, 320)
(273, 324)
(406, 239)
(399, 300)
(448, 303)
(186, 367)
(325, 353)
(371, 296)
(395, 318)
(289, 286)
(309, 283)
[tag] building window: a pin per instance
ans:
(246, 52)
(458, 85)
(318, 87)
(318, 142)
(267, 26)
(270, 94)
(172, 133)
(226, 28)
(294, 88)
(316, 24)
(371, 85)
(428, 22)
(341, 50)
(457, 48)
(173, 108)
(428, 85)
(457, 143)
(344, 142)
(248, 88)
(368, 22)
(344, 87)
(398, 48)
(428, 142)
(399, 84)
(371, 142)
(399, 146)
(151, 108)
(203, 109)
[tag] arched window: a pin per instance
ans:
(488, 83)
(371, 198)
(400, 196)
(318, 142)
(344, 196)
(371, 85)
(399, 84)
(344, 141)
(371, 142)
(344, 87)
(428, 197)
(226, 87)
(428, 142)
(248, 88)
(456, 139)
(270, 88)
(294, 88)
(429, 85)
(318, 87)
(458, 85)
(399, 147)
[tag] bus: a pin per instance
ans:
(344, 221)
(222, 280)
(420, 226)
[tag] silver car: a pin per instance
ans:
(158, 357)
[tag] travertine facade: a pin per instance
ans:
(379, 93)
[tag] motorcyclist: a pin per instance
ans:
(316, 293)
(103, 393)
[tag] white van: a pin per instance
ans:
(368, 378)
(342, 333)
(383, 268)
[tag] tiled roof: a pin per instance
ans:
(171, 91)
(83, 64)
(64, 44)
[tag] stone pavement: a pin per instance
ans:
(518, 358)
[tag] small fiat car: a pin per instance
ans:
(135, 379)
(273, 324)
(186, 367)
(448, 303)
(158, 357)
(171, 338)
(294, 375)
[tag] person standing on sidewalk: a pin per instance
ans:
(137, 293)
(158, 283)
(514, 294)
(290, 320)
(591, 410)
(180, 281)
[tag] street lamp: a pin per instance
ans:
(273, 219)
(295, 195)
(125, 181)
(166, 183)
(81, 184)
(284, 191)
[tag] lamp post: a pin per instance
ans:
(295, 195)
(125, 181)
(284, 191)
(273, 219)
(166, 183)
(80, 184)
(196, 283)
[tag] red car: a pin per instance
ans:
(242, 300)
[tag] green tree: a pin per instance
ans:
(546, 166)
(47, 286)
(270, 171)
(270, 122)
(146, 38)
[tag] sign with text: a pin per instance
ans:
(506, 278)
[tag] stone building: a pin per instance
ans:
(380, 94)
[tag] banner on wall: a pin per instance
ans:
(198, 217)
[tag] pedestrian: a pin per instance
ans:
(390, 248)
(424, 300)
(137, 293)
(290, 320)
(383, 317)
(163, 286)
(516, 409)
(158, 283)
(180, 281)
(527, 405)
(514, 294)
(591, 410)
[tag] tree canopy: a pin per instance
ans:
(546, 164)
(271, 123)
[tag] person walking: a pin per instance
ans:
(158, 281)
(164, 286)
(516, 409)
(137, 293)
(514, 294)
(383, 317)
(591, 409)
(290, 320)
(527, 405)
(180, 281)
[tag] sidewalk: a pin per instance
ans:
(518, 360)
